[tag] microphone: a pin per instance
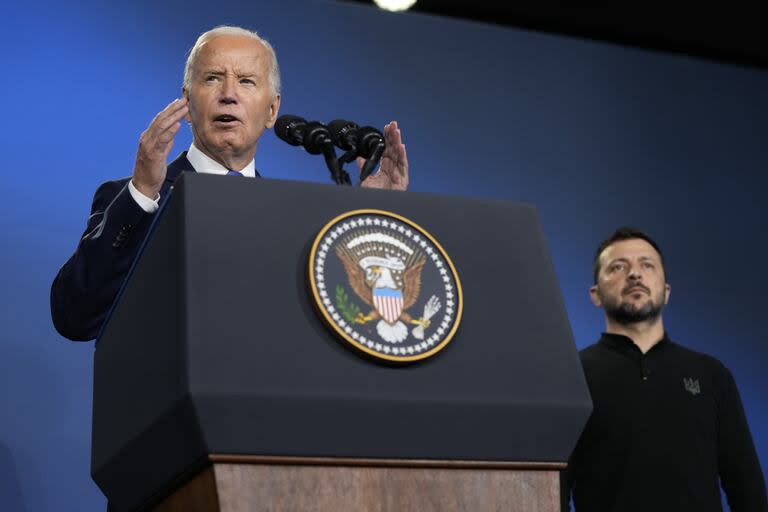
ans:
(296, 131)
(315, 138)
(344, 134)
(371, 147)
(349, 136)
(366, 142)
(291, 128)
(370, 142)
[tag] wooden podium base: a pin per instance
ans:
(252, 483)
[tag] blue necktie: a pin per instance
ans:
(234, 173)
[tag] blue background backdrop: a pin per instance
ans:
(595, 135)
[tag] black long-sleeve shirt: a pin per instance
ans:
(667, 429)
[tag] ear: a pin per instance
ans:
(274, 108)
(594, 295)
(667, 292)
(185, 95)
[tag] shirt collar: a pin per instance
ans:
(205, 164)
(625, 345)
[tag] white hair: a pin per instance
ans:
(228, 30)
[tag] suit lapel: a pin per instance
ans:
(178, 166)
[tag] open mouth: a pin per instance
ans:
(225, 119)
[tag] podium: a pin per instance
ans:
(218, 386)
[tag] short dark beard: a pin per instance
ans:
(626, 314)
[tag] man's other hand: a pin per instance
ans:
(392, 173)
(154, 147)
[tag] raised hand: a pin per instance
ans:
(155, 144)
(392, 173)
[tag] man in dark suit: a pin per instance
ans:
(230, 95)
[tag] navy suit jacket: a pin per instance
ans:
(86, 286)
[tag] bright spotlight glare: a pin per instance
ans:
(395, 5)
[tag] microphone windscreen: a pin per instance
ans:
(315, 137)
(343, 133)
(287, 127)
(368, 140)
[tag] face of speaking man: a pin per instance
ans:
(631, 285)
(231, 101)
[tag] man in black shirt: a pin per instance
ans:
(668, 427)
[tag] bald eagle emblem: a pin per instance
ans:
(369, 271)
(386, 274)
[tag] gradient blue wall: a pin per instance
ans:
(594, 135)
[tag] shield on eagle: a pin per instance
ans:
(389, 303)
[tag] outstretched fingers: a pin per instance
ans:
(154, 146)
(167, 123)
(393, 169)
(396, 164)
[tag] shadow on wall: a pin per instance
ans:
(10, 488)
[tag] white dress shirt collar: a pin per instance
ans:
(205, 164)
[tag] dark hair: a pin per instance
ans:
(623, 233)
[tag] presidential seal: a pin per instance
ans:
(385, 285)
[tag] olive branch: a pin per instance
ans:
(347, 308)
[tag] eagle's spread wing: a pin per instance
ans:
(356, 277)
(412, 283)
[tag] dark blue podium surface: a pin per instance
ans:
(215, 346)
